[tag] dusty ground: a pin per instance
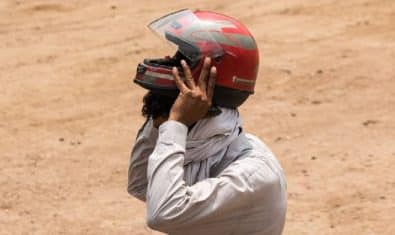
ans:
(325, 103)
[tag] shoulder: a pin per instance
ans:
(256, 169)
(260, 149)
(258, 144)
(262, 153)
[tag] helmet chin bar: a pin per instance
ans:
(156, 76)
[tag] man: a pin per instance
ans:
(193, 165)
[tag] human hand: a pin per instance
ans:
(194, 100)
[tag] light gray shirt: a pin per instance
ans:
(245, 193)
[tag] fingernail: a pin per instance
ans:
(183, 62)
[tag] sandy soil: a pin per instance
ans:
(325, 104)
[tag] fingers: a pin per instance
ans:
(188, 75)
(204, 74)
(211, 83)
(206, 81)
(179, 83)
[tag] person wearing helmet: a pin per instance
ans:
(192, 163)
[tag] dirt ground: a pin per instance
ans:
(69, 112)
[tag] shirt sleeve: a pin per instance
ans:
(173, 205)
(143, 147)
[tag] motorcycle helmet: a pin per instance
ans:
(196, 35)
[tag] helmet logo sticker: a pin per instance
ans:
(243, 81)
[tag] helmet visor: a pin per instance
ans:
(195, 38)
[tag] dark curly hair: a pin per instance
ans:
(159, 105)
(156, 105)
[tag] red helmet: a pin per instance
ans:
(198, 35)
